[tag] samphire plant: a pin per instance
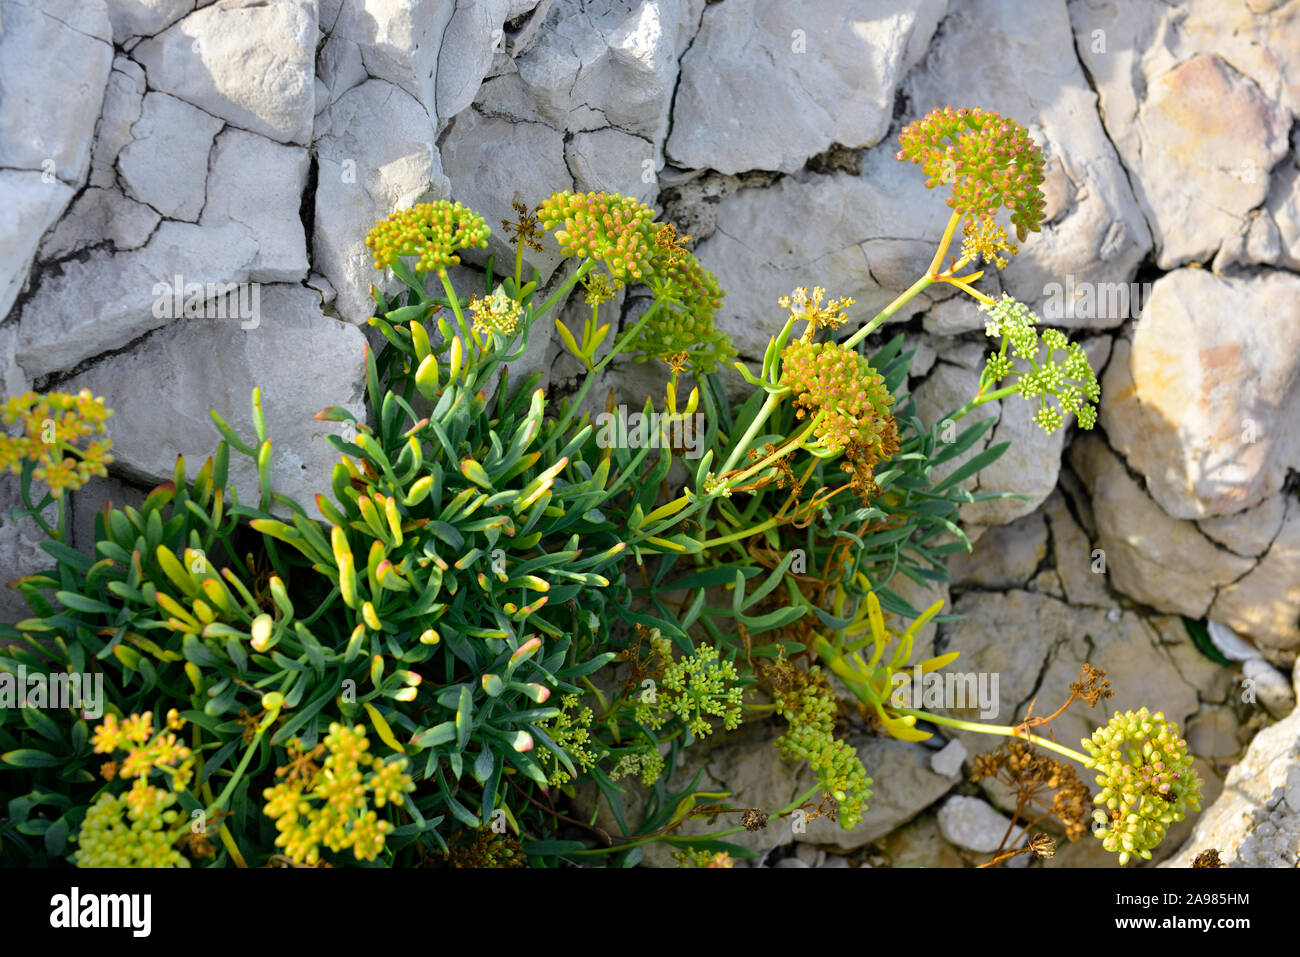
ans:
(497, 620)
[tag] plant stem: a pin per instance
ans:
(769, 406)
(455, 305)
(568, 284)
(889, 310)
(979, 400)
(243, 763)
(619, 346)
(1002, 729)
(953, 222)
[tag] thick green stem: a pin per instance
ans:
(586, 267)
(1002, 729)
(979, 400)
(876, 320)
(742, 444)
(235, 778)
(619, 346)
(455, 305)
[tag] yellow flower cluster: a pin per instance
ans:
(329, 805)
(606, 226)
(571, 730)
(138, 828)
(432, 232)
(810, 308)
(52, 425)
(985, 238)
(830, 377)
(134, 829)
(496, 313)
(145, 751)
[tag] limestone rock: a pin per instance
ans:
(1256, 820)
(875, 234)
(948, 759)
(55, 57)
(12, 379)
(492, 162)
(374, 155)
(97, 216)
(1248, 532)
(123, 103)
(1212, 734)
(1204, 401)
(1005, 556)
(1161, 561)
(1004, 56)
(166, 163)
(398, 41)
(1265, 603)
(29, 205)
(104, 301)
(162, 391)
(596, 65)
(920, 844)
(1196, 100)
(767, 85)
(614, 162)
(971, 823)
(258, 184)
(144, 18)
(1082, 577)
(246, 61)
(1270, 687)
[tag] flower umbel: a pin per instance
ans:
(53, 424)
(990, 162)
(432, 232)
(614, 229)
(1071, 381)
(571, 732)
(986, 239)
(1147, 781)
(810, 308)
(826, 376)
(332, 806)
(495, 313)
(694, 689)
(810, 708)
(138, 828)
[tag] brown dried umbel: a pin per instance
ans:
(526, 229)
(1044, 847)
(644, 659)
(753, 819)
(1030, 774)
(485, 849)
(861, 461)
(1208, 858)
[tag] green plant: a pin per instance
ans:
(496, 603)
